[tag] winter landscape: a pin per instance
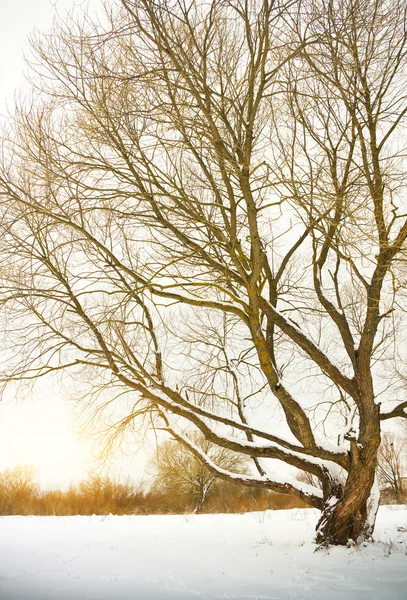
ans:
(255, 556)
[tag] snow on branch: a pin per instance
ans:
(308, 493)
(298, 457)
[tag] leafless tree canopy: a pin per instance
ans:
(204, 219)
(391, 464)
(177, 471)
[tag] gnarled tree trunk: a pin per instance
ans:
(350, 510)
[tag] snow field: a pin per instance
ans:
(264, 556)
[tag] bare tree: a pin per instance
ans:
(178, 471)
(391, 461)
(18, 490)
(230, 166)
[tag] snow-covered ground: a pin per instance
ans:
(252, 556)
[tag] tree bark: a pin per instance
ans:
(350, 516)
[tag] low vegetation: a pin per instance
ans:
(20, 494)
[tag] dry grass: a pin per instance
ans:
(21, 495)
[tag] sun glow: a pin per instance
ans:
(40, 433)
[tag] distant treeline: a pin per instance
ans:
(20, 494)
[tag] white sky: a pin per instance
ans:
(40, 430)
(18, 18)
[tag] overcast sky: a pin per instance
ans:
(39, 430)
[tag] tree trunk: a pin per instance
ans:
(202, 497)
(350, 518)
(199, 508)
